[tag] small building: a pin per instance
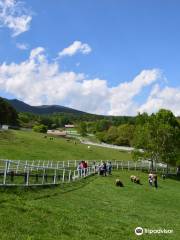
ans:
(56, 133)
(69, 126)
(5, 127)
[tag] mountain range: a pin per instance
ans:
(20, 106)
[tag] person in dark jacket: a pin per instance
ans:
(155, 181)
(104, 168)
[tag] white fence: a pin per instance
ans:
(16, 173)
(38, 172)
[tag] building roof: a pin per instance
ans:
(69, 126)
(56, 132)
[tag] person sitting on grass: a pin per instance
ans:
(150, 179)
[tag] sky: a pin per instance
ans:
(111, 57)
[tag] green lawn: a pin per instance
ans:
(93, 209)
(90, 209)
(33, 146)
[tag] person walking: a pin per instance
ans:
(155, 181)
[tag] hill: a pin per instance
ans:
(91, 209)
(28, 145)
(44, 109)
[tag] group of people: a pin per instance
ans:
(104, 168)
(82, 167)
(152, 178)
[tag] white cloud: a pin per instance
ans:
(22, 46)
(38, 81)
(122, 96)
(14, 16)
(75, 47)
(166, 97)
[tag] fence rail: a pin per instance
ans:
(16, 173)
(38, 172)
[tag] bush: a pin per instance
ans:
(40, 128)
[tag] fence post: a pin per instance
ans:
(17, 167)
(25, 166)
(5, 172)
(122, 165)
(8, 166)
(74, 175)
(27, 176)
(128, 165)
(43, 176)
(32, 164)
(57, 165)
(55, 176)
(68, 163)
(48, 164)
(37, 166)
(135, 165)
(69, 175)
(63, 175)
(75, 163)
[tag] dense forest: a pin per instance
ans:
(8, 114)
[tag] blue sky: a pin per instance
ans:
(128, 39)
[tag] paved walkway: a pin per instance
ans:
(107, 145)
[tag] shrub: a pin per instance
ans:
(40, 128)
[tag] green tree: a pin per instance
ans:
(82, 129)
(111, 135)
(159, 137)
(40, 128)
(125, 134)
(102, 125)
(8, 114)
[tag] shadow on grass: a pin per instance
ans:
(173, 177)
(40, 192)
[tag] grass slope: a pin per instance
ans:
(94, 209)
(27, 145)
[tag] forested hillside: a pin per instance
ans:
(8, 114)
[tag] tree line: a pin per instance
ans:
(8, 114)
(158, 134)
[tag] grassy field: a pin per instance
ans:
(90, 209)
(27, 145)
(93, 209)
